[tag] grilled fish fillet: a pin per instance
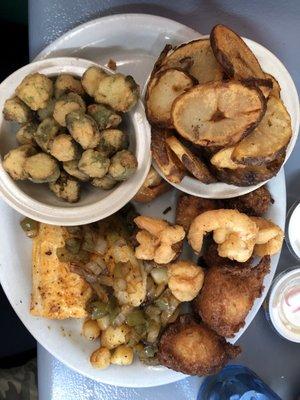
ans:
(57, 293)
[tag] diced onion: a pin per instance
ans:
(159, 275)
(100, 245)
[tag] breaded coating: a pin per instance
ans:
(193, 348)
(255, 203)
(228, 294)
(189, 207)
(212, 259)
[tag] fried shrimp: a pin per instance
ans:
(158, 240)
(193, 348)
(269, 239)
(234, 232)
(185, 280)
(228, 294)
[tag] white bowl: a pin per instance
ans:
(37, 201)
(271, 64)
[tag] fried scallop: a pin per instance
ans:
(211, 257)
(255, 203)
(228, 294)
(193, 348)
(189, 207)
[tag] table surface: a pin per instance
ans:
(276, 25)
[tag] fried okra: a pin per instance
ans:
(71, 167)
(118, 91)
(41, 168)
(111, 141)
(66, 104)
(83, 129)
(66, 83)
(93, 164)
(105, 183)
(35, 90)
(16, 110)
(91, 78)
(64, 148)
(104, 116)
(47, 111)
(123, 165)
(66, 188)
(45, 133)
(25, 134)
(14, 161)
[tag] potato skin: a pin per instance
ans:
(16, 110)
(193, 348)
(15, 159)
(251, 175)
(35, 90)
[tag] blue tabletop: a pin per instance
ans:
(276, 24)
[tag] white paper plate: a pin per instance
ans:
(100, 40)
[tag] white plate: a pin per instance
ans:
(144, 34)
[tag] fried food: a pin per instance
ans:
(234, 232)
(169, 164)
(252, 174)
(57, 293)
(195, 57)
(193, 348)
(158, 240)
(185, 280)
(191, 162)
(163, 88)
(153, 187)
(218, 113)
(255, 203)
(189, 207)
(223, 159)
(237, 59)
(228, 294)
(275, 92)
(211, 258)
(269, 239)
(269, 139)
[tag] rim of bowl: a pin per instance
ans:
(117, 198)
(191, 185)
